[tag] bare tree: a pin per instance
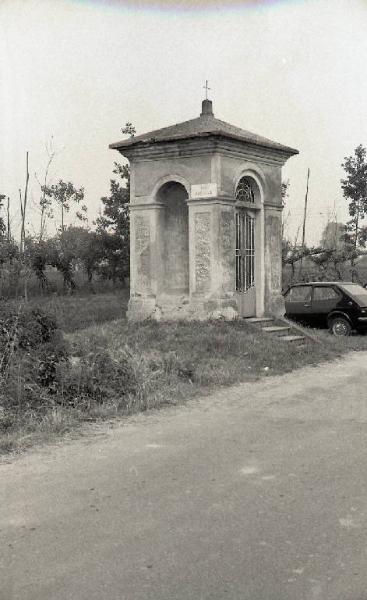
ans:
(45, 201)
(23, 206)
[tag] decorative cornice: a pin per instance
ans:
(273, 206)
(231, 134)
(204, 146)
(249, 205)
(150, 206)
(224, 201)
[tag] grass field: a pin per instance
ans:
(82, 310)
(169, 363)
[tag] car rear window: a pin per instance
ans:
(301, 293)
(357, 292)
(324, 293)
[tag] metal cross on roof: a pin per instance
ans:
(206, 88)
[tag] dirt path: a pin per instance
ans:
(258, 492)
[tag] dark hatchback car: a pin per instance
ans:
(341, 306)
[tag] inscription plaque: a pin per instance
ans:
(203, 190)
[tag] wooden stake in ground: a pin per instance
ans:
(23, 207)
(305, 211)
(8, 215)
(304, 221)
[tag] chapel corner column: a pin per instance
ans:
(211, 256)
(273, 297)
(273, 235)
(145, 260)
(224, 288)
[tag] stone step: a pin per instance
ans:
(291, 338)
(275, 329)
(259, 319)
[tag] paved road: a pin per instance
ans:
(257, 493)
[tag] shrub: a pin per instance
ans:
(37, 373)
(23, 329)
(30, 348)
(48, 357)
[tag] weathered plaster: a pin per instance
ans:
(191, 169)
(142, 249)
(227, 242)
(202, 236)
(175, 234)
(274, 302)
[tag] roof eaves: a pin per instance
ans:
(154, 140)
(218, 133)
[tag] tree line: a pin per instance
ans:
(102, 252)
(341, 244)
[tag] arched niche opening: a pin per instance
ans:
(175, 229)
(247, 190)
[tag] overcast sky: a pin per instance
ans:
(78, 70)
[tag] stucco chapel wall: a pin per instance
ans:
(269, 178)
(148, 175)
(157, 273)
(232, 168)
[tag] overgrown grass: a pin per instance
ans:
(80, 310)
(117, 368)
(214, 353)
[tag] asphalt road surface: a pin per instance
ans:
(258, 492)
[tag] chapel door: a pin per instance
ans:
(245, 262)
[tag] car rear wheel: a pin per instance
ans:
(340, 326)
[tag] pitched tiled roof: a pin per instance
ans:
(201, 126)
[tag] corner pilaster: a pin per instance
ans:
(274, 302)
(212, 257)
(146, 274)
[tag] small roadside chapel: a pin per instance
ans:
(206, 221)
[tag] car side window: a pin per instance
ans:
(324, 293)
(301, 293)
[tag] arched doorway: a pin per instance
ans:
(175, 228)
(248, 204)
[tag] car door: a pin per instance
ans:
(325, 298)
(298, 303)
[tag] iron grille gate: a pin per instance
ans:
(245, 251)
